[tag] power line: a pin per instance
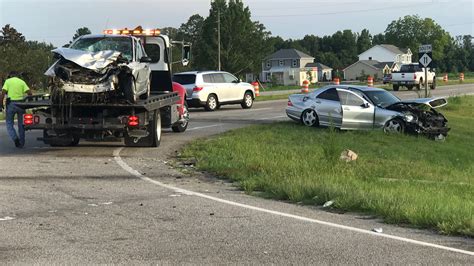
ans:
(340, 12)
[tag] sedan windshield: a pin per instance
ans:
(119, 44)
(382, 98)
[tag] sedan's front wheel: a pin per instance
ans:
(310, 118)
(394, 126)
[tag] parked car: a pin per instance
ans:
(211, 89)
(387, 78)
(358, 107)
(412, 76)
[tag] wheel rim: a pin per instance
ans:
(212, 102)
(185, 116)
(248, 100)
(158, 128)
(309, 118)
(393, 126)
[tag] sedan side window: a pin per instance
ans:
(348, 98)
(330, 94)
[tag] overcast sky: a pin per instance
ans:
(56, 21)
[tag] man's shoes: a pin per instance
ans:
(17, 143)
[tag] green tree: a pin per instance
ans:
(378, 39)
(242, 40)
(191, 30)
(412, 31)
(364, 41)
(80, 32)
(11, 36)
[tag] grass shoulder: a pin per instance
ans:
(403, 179)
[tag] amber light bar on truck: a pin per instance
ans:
(137, 31)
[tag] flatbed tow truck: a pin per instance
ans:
(139, 124)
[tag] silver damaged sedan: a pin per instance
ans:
(357, 108)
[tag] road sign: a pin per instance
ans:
(425, 48)
(425, 60)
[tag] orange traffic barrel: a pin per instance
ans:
(445, 78)
(370, 81)
(256, 88)
(336, 81)
(305, 87)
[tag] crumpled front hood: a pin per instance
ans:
(95, 61)
(431, 102)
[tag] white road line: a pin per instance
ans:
(203, 127)
(270, 118)
(135, 173)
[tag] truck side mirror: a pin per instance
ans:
(186, 54)
(145, 59)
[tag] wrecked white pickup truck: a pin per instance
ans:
(106, 87)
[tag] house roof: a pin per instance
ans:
(288, 54)
(318, 65)
(394, 49)
(372, 63)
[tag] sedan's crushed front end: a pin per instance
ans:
(422, 118)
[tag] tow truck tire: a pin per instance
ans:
(180, 127)
(396, 87)
(154, 134)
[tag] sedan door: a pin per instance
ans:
(141, 70)
(357, 113)
(328, 108)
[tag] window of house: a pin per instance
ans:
(269, 64)
(280, 62)
(295, 63)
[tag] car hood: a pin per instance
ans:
(431, 102)
(95, 61)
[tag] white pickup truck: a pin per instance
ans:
(411, 75)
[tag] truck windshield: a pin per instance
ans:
(381, 98)
(119, 44)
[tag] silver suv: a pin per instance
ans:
(211, 89)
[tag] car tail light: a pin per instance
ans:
(133, 121)
(290, 103)
(196, 89)
(29, 119)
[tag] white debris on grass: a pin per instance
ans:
(328, 204)
(6, 218)
(377, 230)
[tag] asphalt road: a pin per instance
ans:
(102, 203)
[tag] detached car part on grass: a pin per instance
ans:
(362, 108)
(99, 75)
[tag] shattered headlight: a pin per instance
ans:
(409, 118)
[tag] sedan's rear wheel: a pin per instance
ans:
(310, 118)
(394, 126)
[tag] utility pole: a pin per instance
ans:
(218, 39)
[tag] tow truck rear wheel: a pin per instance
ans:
(395, 87)
(153, 138)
